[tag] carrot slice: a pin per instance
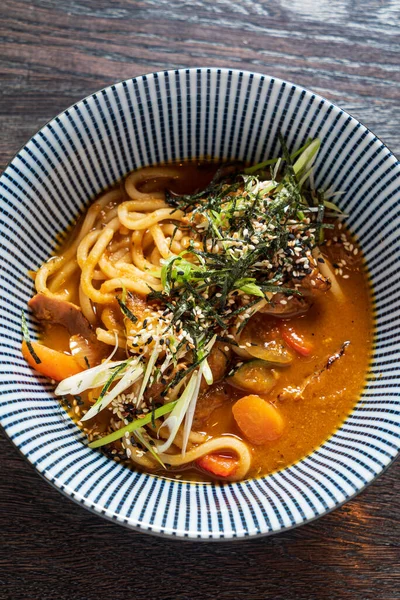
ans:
(259, 421)
(53, 364)
(295, 340)
(220, 466)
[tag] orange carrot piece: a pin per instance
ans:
(220, 466)
(259, 421)
(295, 340)
(53, 364)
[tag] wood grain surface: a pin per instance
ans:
(54, 52)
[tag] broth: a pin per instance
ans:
(309, 420)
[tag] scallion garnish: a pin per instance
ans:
(141, 436)
(116, 435)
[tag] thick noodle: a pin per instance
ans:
(119, 247)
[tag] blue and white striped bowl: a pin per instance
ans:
(180, 115)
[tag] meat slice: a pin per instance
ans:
(209, 400)
(297, 305)
(286, 307)
(61, 312)
(315, 282)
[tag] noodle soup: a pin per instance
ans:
(207, 321)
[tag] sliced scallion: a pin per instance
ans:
(116, 435)
(130, 376)
(140, 434)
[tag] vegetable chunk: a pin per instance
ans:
(295, 341)
(220, 466)
(259, 421)
(53, 364)
(254, 376)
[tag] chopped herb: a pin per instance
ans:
(116, 435)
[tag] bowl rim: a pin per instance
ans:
(178, 535)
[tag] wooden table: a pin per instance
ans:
(53, 53)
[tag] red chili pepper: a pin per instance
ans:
(295, 340)
(219, 466)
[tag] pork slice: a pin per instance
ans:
(297, 305)
(61, 312)
(309, 286)
(208, 401)
(315, 282)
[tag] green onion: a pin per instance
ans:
(332, 206)
(178, 413)
(131, 375)
(113, 376)
(91, 378)
(249, 287)
(116, 435)
(139, 433)
(307, 157)
(259, 166)
(149, 369)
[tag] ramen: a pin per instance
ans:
(207, 321)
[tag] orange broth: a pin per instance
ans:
(309, 421)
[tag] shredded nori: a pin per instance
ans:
(26, 336)
(125, 310)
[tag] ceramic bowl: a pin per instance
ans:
(189, 114)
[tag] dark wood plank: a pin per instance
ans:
(51, 55)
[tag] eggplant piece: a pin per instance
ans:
(261, 338)
(254, 376)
